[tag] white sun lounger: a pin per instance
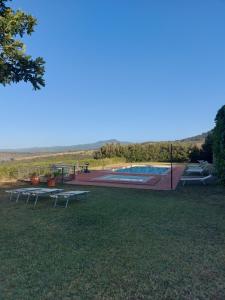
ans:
(196, 179)
(40, 192)
(67, 196)
(203, 162)
(195, 170)
(20, 191)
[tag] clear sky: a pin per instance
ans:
(135, 70)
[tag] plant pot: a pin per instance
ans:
(35, 180)
(51, 182)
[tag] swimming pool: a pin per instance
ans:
(124, 178)
(143, 170)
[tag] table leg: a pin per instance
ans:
(56, 198)
(17, 198)
(36, 199)
(28, 198)
(67, 201)
(11, 195)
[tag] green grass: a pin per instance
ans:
(117, 244)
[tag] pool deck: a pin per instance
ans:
(157, 182)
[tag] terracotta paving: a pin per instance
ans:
(157, 182)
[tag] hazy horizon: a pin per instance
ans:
(88, 143)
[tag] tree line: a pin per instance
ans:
(182, 152)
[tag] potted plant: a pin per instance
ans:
(35, 180)
(51, 178)
(51, 182)
(57, 175)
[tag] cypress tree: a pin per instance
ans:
(219, 144)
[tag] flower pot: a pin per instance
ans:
(51, 182)
(35, 180)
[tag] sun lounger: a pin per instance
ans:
(67, 196)
(196, 179)
(199, 170)
(40, 192)
(203, 162)
(20, 191)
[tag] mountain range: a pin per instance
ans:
(93, 146)
(52, 149)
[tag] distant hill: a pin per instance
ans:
(200, 138)
(56, 149)
(197, 139)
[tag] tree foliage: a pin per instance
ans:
(182, 152)
(219, 143)
(207, 148)
(15, 64)
(205, 152)
(145, 152)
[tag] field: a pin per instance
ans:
(23, 166)
(117, 244)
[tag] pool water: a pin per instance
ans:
(125, 178)
(143, 170)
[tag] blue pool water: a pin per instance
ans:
(144, 170)
(124, 178)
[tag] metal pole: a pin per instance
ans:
(74, 172)
(62, 175)
(171, 166)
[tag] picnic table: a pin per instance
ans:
(57, 194)
(20, 191)
(40, 192)
(67, 196)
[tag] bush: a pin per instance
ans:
(205, 152)
(219, 144)
(146, 152)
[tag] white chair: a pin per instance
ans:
(195, 179)
(191, 169)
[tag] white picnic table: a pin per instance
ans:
(68, 196)
(20, 191)
(57, 194)
(40, 192)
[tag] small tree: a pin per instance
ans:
(207, 148)
(15, 65)
(219, 144)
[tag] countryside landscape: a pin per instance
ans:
(112, 150)
(14, 159)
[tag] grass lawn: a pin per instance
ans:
(117, 244)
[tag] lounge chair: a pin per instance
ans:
(195, 179)
(198, 170)
(67, 196)
(40, 192)
(203, 162)
(20, 191)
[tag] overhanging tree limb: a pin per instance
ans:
(15, 64)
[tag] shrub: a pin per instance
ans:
(219, 144)
(146, 152)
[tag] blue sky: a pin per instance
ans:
(135, 70)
